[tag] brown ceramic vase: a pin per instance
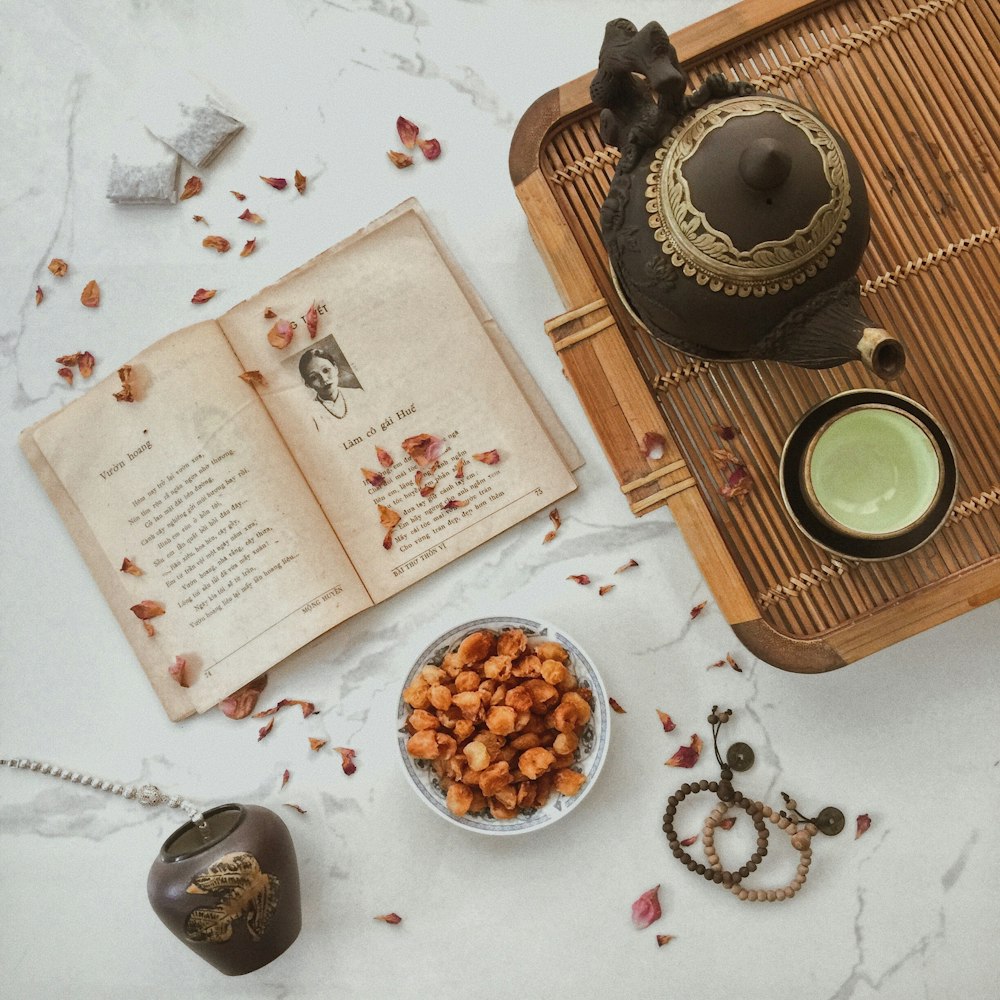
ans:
(232, 895)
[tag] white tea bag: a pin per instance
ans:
(143, 170)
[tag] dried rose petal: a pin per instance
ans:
(86, 363)
(312, 321)
(698, 608)
(316, 744)
(145, 610)
(662, 939)
(408, 132)
(727, 823)
(264, 730)
(249, 247)
(70, 360)
(400, 160)
(280, 335)
(375, 479)
(604, 588)
(192, 186)
(614, 704)
(487, 457)
(150, 631)
(248, 216)
(423, 448)
(91, 295)
(218, 243)
(296, 807)
(390, 918)
(127, 393)
(725, 432)
(39, 295)
(454, 504)
(238, 195)
(732, 662)
(556, 522)
(460, 469)
(200, 218)
(66, 373)
(653, 445)
(629, 565)
(253, 378)
(347, 756)
(646, 909)
(269, 313)
(130, 567)
(279, 183)
(243, 701)
(738, 485)
(388, 518)
(300, 182)
(384, 458)
(177, 670)
(724, 458)
(580, 578)
(425, 484)
(284, 778)
(203, 295)
(431, 148)
(718, 663)
(863, 822)
(687, 756)
(58, 267)
(668, 724)
(307, 707)
(688, 841)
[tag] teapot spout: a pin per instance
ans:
(881, 353)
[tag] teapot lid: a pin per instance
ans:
(749, 195)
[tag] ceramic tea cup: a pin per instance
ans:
(868, 474)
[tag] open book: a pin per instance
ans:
(261, 514)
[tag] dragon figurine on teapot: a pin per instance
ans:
(736, 220)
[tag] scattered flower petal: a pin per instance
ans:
(265, 729)
(58, 267)
(307, 707)
(687, 756)
(408, 132)
(280, 335)
(347, 756)
(460, 469)
(662, 939)
(253, 378)
(249, 247)
(384, 458)
(375, 479)
(243, 701)
(66, 374)
(218, 243)
(39, 295)
(248, 216)
(580, 578)
(646, 909)
(424, 484)
(727, 823)
(145, 610)
(269, 313)
(130, 567)
(863, 822)
(454, 504)
(127, 392)
(653, 445)
(91, 295)
(400, 160)
(284, 778)
(698, 608)
(203, 295)
(238, 195)
(278, 183)
(390, 918)
(177, 670)
(725, 432)
(300, 182)
(668, 724)
(732, 662)
(200, 218)
(295, 806)
(423, 448)
(150, 631)
(629, 565)
(69, 360)
(614, 704)
(388, 519)
(312, 321)
(604, 588)
(86, 363)
(556, 522)
(724, 458)
(316, 744)
(192, 186)
(487, 457)
(688, 841)
(431, 148)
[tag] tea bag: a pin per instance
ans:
(179, 110)
(143, 170)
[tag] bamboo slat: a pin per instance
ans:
(914, 87)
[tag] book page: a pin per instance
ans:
(192, 483)
(399, 354)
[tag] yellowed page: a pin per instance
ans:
(194, 485)
(412, 358)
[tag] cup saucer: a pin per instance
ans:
(814, 521)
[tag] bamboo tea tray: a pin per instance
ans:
(915, 89)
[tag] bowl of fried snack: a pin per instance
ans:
(503, 725)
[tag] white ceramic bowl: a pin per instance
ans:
(590, 754)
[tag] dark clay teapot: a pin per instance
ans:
(736, 221)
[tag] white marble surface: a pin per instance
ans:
(909, 735)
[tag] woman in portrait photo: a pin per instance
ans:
(325, 372)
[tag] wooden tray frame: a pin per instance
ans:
(620, 377)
